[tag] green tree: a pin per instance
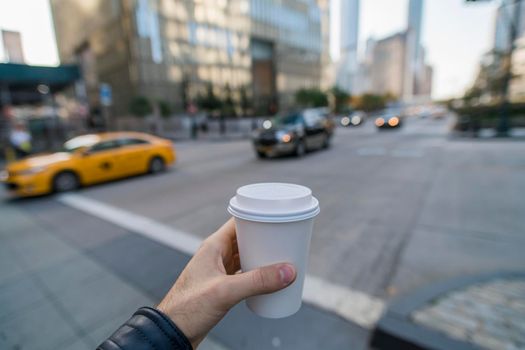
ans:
(209, 101)
(246, 102)
(184, 86)
(228, 106)
(140, 106)
(372, 102)
(164, 108)
(311, 97)
(341, 99)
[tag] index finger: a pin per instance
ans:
(225, 234)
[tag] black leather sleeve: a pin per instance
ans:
(147, 329)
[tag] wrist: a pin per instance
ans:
(182, 321)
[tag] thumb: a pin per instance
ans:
(263, 280)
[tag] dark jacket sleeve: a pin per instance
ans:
(147, 329)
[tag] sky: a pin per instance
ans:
(455, 34)
(32, 18)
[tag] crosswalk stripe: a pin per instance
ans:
(348, 303)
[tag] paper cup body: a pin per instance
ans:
(281, 236)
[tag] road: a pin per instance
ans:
(400, 209)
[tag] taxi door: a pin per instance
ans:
(135, 155)
(102, 162)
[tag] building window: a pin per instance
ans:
(148, 27)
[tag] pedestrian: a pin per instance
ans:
(208, 287)
(20, 140)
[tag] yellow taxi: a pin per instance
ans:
(89, 159)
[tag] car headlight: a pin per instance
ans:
(283, 136)
(393, 121)
(380, 122)
(32, 171)
(345, 121)
(3, 175)
(267, 124)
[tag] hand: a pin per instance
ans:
(211, 285)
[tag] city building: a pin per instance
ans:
(415, 62)
(415, 19)
(425, 88)
(289, 34)
(505, 15)
(517, 84)
(174, 50)
(397, 64)
(488, 85)
(363, 78)
(327, 65)
(348, 65)
(12, 43)
(418, 74)
(387, 73)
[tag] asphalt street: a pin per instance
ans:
(400, 209)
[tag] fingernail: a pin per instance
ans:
(287, 273)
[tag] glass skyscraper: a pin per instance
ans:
(175, 49)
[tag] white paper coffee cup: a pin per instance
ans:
(274, 224)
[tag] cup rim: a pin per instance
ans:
(276, 218)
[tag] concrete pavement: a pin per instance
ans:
(67, 280)
(489, 314)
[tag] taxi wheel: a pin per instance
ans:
(65, 181)
(156, 165)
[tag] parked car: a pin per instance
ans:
(388, 119)
(87, 160)
(294, 133)
(355, 118)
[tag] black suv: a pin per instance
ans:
(294, 133)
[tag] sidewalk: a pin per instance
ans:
(54, 295)
(69, 279)
(477, 312)
(490, 314)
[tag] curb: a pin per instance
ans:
(395, 330)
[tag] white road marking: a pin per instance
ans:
(350, 304)
(380, 151)
(161, 233)
(407, 153)
(371, 151)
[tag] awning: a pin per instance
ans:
(20, 81)
(16, 74)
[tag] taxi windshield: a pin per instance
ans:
(80, 142)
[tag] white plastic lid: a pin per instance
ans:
(274, 202)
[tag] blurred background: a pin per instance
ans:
(406, 118)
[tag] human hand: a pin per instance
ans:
(211, 284)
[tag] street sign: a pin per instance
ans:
(106, 98)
